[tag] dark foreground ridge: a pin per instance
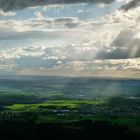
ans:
(86, 129)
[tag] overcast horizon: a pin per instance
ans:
(70, 38)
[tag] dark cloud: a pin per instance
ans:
(124, 46)
(120, 53)
(127, 45)
(8, 5)
(130, 5)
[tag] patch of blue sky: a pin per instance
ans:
(100, 11)
(20, 15)
(7, 44)
(81, 11)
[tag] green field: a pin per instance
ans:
(58, 104)
(67, 111)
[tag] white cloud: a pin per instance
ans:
(39, 15)
(72, 57)
(41, 28)
(111, 43)
(2, 13)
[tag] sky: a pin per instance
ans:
(70, 38)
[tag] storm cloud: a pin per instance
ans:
(131, 4)
(8, 5)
